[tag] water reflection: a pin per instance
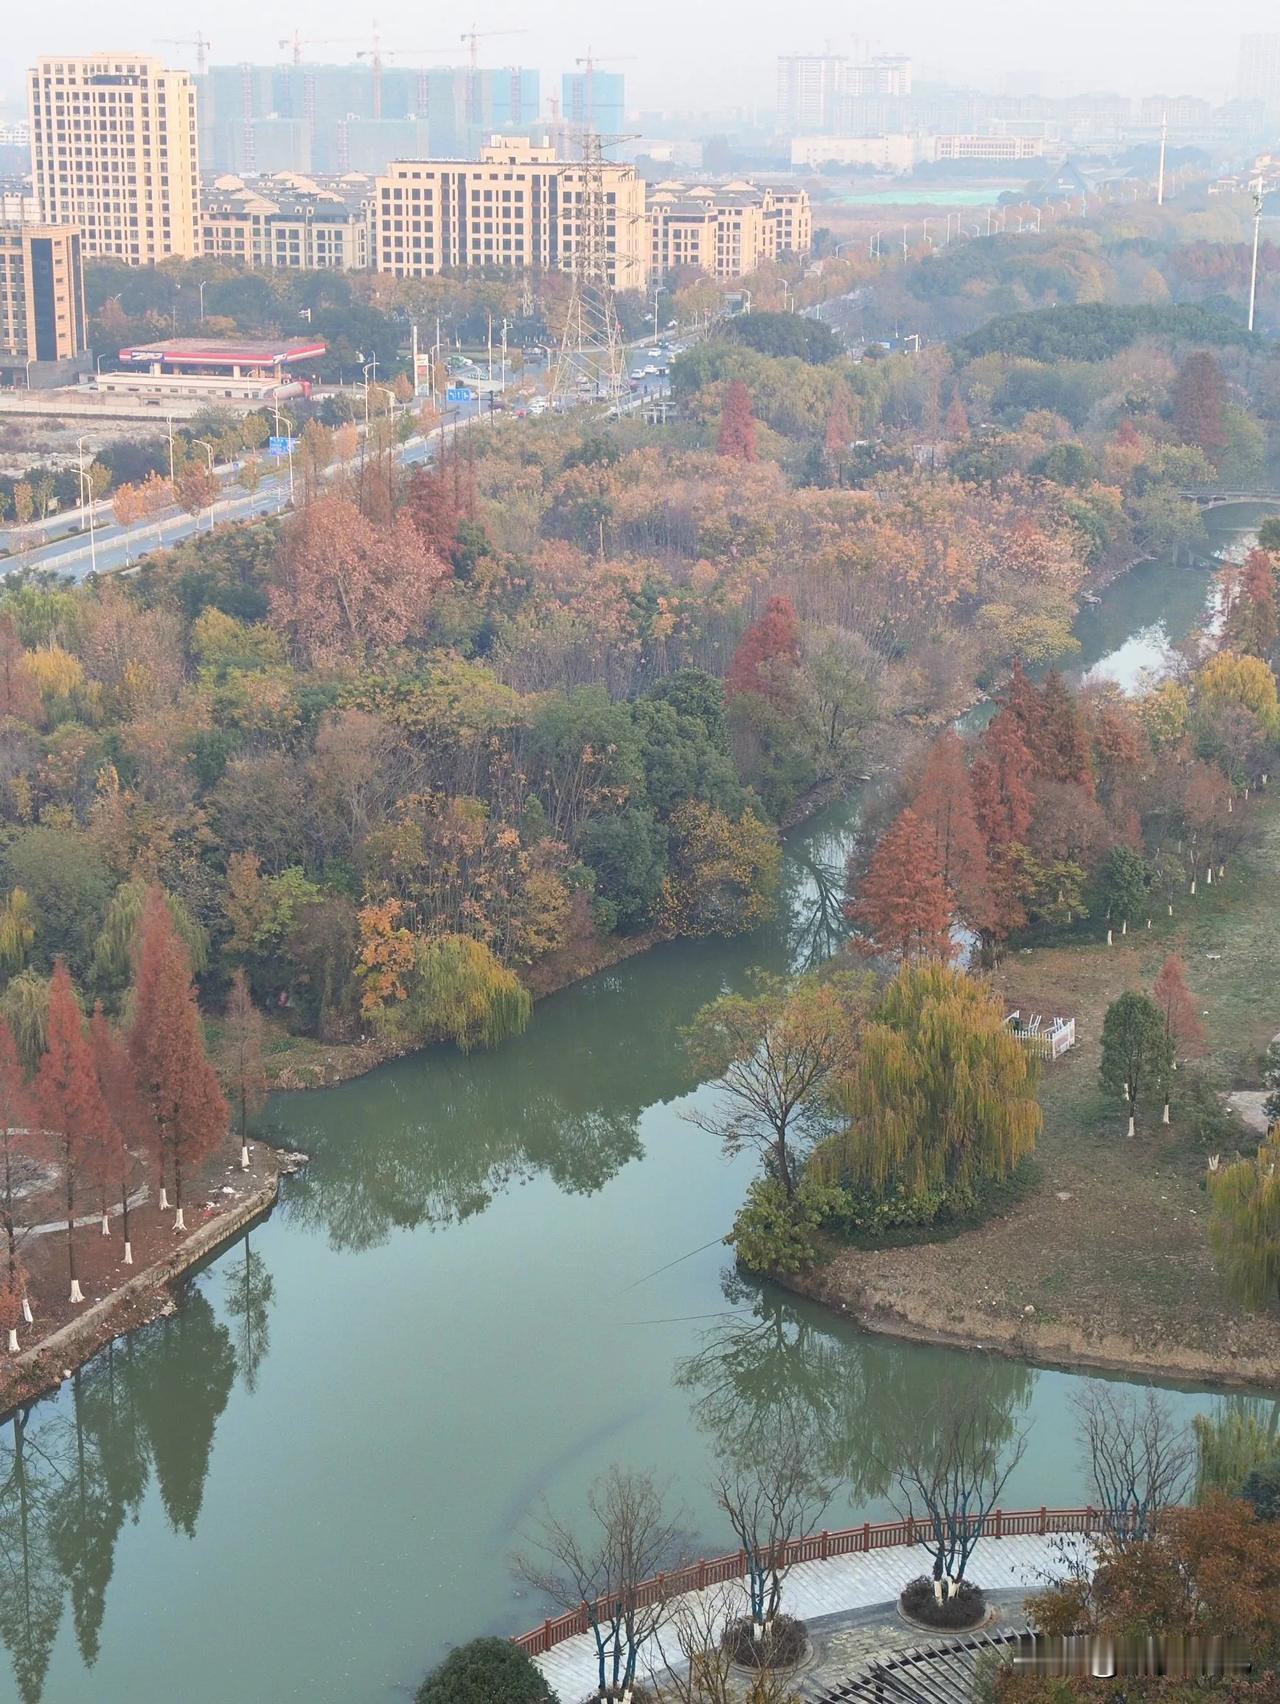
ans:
(74, 1467)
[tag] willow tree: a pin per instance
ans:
(1245, 1227)
(943, 1094)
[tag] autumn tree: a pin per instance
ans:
(775, 1054)
(196, 489)
(19, 691)
(178, 1085)
(1135, 1050)
(944, 804)
(942, 1095)
(736, 438)
(20, 1140)
(72, 1110)
(722, 875)
(1183, 1028)
(1252, 623)
(1061, 746)
(1198, 398)
(903, 909)
(114, 1164)
(243, 1073)
(841, 414)
(1000, 779)
(767, 655)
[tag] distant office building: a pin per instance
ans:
(594, 100)
(289, 221)
(808, 87)
(1180, 112)
(42, 322)
(893, 153)
(114, 149)
(726, 229)
(516, 208)
(1259, 78)
(988, 148)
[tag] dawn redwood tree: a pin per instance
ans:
(903, 909)
(944, 803)
(1021, 700)
(1183, 1028)
(839, 428)
(105, 1159)
(70, 1102)
(1135, 1050)
(1061, 748)
(1252, 625)
(767, 655)
(19, 692)
(178, 1085)
(20, 1139)
(242, 1069)
(119, 1087)
(1000, 781)
(1198, 398)
(737, 435)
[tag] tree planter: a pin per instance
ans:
(966, 1608)
(785, 1646)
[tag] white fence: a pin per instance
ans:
(1045, 1041)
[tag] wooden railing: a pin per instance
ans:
(849, 1541)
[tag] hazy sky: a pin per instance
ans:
(705, 56)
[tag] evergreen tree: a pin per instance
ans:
(902, 908)
(178, 1085)
(737, 436)
(1135, 1050)
(1126, 883)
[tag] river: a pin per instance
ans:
(307, 1482)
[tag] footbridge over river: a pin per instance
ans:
(1216, 497)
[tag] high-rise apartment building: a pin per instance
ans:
(42, 323)
(727, 229)
(1259, 78)
(114, 150)
(808, 85)
(594, 100)
(517, 208)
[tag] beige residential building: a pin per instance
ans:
(113, 149)
(42, 321)
(726, 229)
(516, 208)
(290, 221)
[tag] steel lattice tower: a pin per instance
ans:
(591, 345)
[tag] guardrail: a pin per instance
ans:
(820, 1547)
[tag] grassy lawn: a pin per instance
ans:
(1108, 1255)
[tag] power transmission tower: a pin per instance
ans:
(591, 347)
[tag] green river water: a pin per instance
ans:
(306, 1483)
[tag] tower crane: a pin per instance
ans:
(199, 41)
(589, 62)
(473, 37)
(377, 53)
(298, 42)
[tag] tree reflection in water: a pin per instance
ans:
(74, 1467)
(780, 1371)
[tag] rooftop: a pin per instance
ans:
(221, 352)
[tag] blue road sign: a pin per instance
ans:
(281, 446)
(460, 393)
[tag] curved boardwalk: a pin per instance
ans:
(841, 1583)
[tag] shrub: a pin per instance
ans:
(486, 1671)
(774, 1234)
(782, 1645)
(964, 1608)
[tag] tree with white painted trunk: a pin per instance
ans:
(187, 1114)
(114, 1164)
(1183, 1029)
(240, 1059)
(21, 1141)
(71, 1107)
(1135, 1051)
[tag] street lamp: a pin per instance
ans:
(658, 290)
(86, 497)
(747, 298)
(208, 450)
(203, 282)
(1257, 225)
(288, 444)
(787, 294)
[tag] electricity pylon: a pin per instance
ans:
(591, 346)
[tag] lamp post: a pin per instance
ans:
(658, 290)
(86, 496)
(1257, 225)
(208, 450)
(203, 282)
(787, 294)
(288, 444)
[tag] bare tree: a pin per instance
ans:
(629, 1539)
(952, 1464)
(687, 1660)
(778, 1497)
(1140, 1459)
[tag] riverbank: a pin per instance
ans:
(120, 1298)
(1106, 1261)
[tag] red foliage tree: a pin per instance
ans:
(1182, 1022)
(178, 1085)
(944, 804)
(1061, 748)
(70, 1101)
(19, 694)
(114, 1164)
(839, 430)
(1001, 782)
(438, 501)
(902, 907)
(20, 1139)
(767, 654)
(1022, 702)
(1253, 625)
(737, 436)
(1199, 396)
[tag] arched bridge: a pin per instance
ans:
(1214, 497)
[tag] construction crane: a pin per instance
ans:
(377, 53)
(199, 41)
(590, 61)
(473, 37)
(298, 42)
